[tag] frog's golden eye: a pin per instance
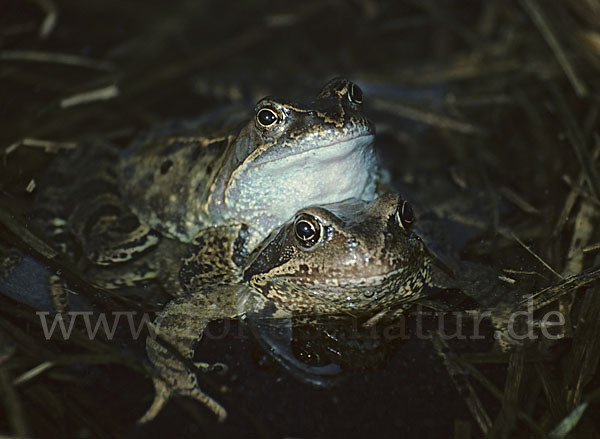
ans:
(267, 117)
(308, 230)
(405, 215)
(355, 94)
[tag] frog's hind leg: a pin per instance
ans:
(163, 392)
(108, 232)
(79, 211)
(80, 202)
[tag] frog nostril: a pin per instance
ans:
(165, 166)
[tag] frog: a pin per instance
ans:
(354, 257)
(110, 207)
(287, 156)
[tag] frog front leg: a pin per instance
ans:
(209, 288)
(181, 325)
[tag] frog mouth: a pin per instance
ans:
(354, 285)
(345, 146)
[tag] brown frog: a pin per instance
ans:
(114, 206)
(286, 157)
(352, 257)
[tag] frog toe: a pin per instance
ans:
(213, 405)
(162, 393)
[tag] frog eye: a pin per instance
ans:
(267, 117)
(308, 230)
(405, 215)
(355, 94)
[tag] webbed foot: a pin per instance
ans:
(184, 383)
(174, 377)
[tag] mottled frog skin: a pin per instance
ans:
(286, 157)
(209, 218)
(111, 206)
(352, 257)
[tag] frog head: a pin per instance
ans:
(292, 155)
(348, 257)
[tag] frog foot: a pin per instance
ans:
(164, 391)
